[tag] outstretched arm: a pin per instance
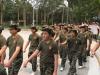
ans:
(31, 57)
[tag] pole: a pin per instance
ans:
(63, 15)
(67, 15)
(33, 16)
(1, 14)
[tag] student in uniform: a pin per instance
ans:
(82, 54)
(63, 47)
(49, 54)
(73, 50)
(33, 40)
(15, 45)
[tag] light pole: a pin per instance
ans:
(1, 13)
(33, 3)
(66, 4)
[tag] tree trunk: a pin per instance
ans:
(24, 17)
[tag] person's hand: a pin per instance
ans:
(24, 64)
(7, 64)
(92, 53)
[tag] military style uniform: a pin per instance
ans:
(63, 49)
(82, 55)
(2, 43)
(73, 51)
(34, 41)
(2, 70)
(48, 50)
(12, 43)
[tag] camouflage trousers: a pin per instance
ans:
(14, 69)
(46, 69)
(33, 62)
(73, 59)
(82, 57)
(2, 70)
(63, 55)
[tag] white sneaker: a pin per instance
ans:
(80, 67)
(61, 69)
(34, 73)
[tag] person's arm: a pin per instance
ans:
(17, 50)
(2, 58)
(55, 64)
(93, 50)
(3, 49)
(37, 51)
(31, 57)
(26, 45)
(97, 45)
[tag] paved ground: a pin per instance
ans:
(28, 71)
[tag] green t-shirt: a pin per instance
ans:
(34, 41)
(13, 43)
(83, 38)
(62, 38)
(2, 41)
(47, 52)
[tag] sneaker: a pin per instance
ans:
(80, 67)
(61, 69)
(34, 73)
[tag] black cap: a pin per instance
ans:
(74, 31)
(34, 28)
(15, 27)
(70, 27)
(50, 31)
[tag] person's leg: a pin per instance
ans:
(70, 58)
(33, 62)
(80, 61)
(42, 69)
(2, 70)
(10, 71)
(64, 57)
(49, 70)
(72, 69)
(16, 66)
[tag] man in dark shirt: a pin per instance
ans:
(73, 49)
(49, 54)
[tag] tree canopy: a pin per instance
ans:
(49, 11)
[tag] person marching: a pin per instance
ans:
(73, 50)
(63, 47)
(82, 55)
(15, 44)
(33, 40)
(2, 53)
(49, 54)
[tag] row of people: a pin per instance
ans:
(66, 41)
